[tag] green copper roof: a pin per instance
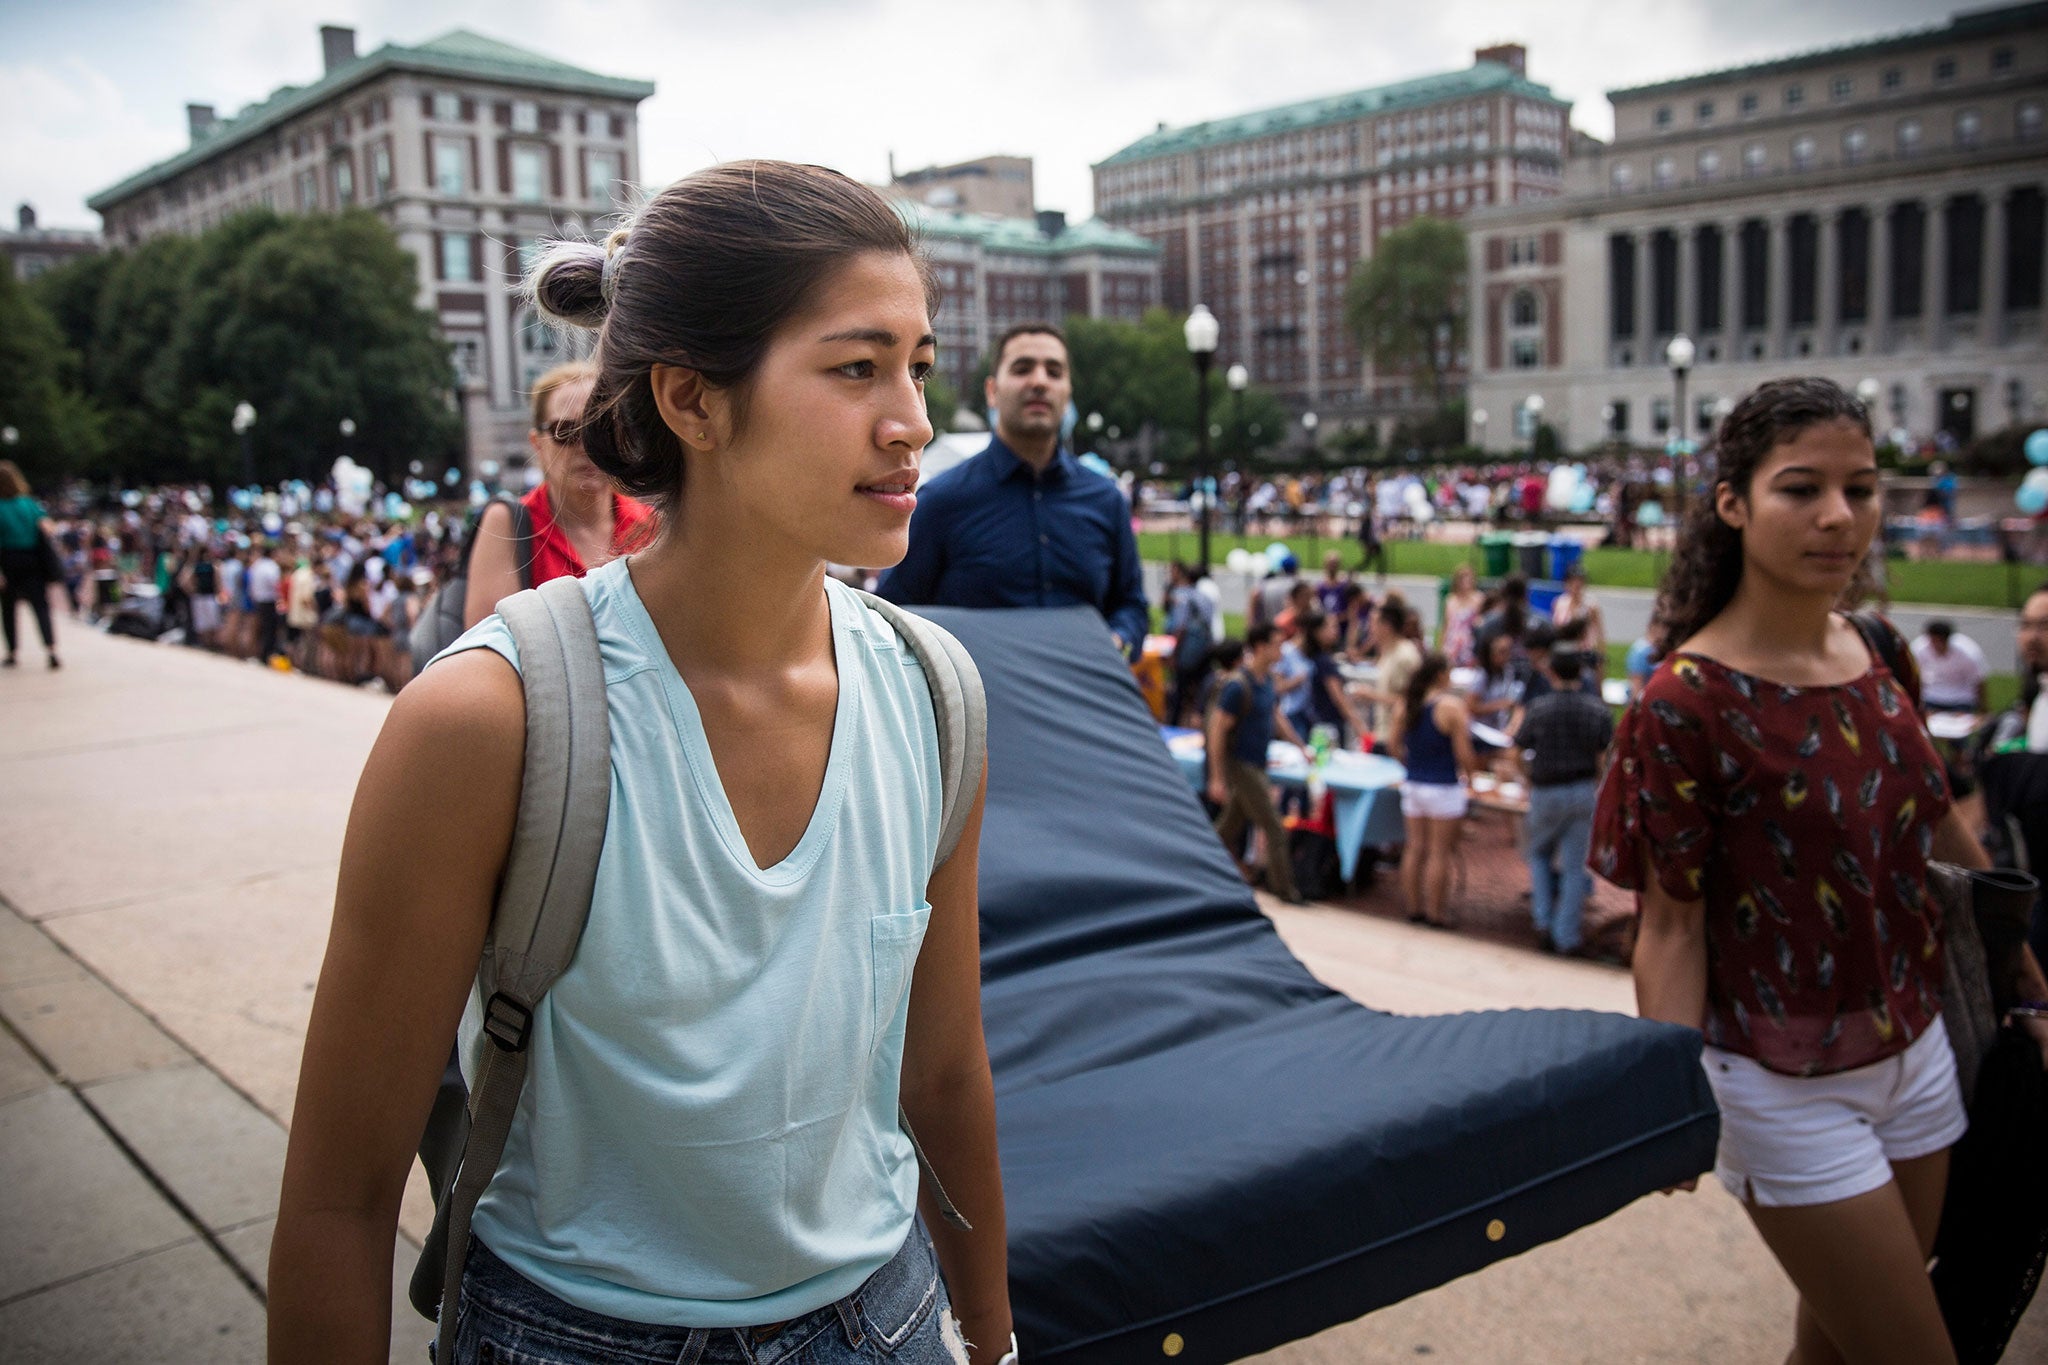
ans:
(1021, 236)
(460, 54)
(1983, 23)
(1481, 78)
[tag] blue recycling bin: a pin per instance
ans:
(1566, 554)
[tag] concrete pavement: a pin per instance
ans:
(172, 822)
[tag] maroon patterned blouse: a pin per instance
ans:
(1804, 818)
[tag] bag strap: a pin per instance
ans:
(959, 705)
(522, 536)
(960, 710)
(544, 900)
(1884, 643)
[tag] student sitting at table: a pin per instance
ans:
(1240, 728)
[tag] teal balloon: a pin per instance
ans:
(1582, 499)
(1650, 514)
(2037, 448)
(2033, 495)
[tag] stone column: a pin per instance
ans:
(1934, 273)
(1688, 319)
(1879, 303)
(1779, 308)
(1991, 326)
(1827, 309)
(1646, 341)
(1731, 287)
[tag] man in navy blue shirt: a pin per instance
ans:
(1024, 524)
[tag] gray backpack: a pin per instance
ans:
(544, 899)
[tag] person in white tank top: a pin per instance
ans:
(706, 1162)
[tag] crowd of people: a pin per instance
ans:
(1772, 798)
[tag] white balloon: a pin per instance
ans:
(1238, 560)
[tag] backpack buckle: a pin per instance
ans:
(508, 1022)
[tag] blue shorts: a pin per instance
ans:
(900, 1315)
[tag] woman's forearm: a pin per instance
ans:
(958, 1130)
(330, 1288)
(1670, 965)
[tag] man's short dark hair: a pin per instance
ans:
(1940, 630)
(1257, 635)
(1025, 329)
(1540, 635)
(1567, 665)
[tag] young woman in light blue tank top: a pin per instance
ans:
(706, 1164)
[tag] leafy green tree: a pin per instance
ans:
(1134, 373)
(70, 294)
(940, 402)
(1405, 305)
(311, 321)
(125, 366)
(56, 431)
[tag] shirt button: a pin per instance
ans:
(1045, 540)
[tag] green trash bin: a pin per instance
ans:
(1498, 547)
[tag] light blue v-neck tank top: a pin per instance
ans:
(708, 1135)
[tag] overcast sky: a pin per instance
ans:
(93, 90)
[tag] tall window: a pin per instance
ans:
(450, 173)
(604, 172)
(309, 191)
(527, 173)
(380, 170)
(1803, 149)
(1909, 134)
(1522, 313)
(447, 107)
(1855, 142)
(344, 182)
(1969, 125)
(525, 116)
(2026, 121)
(457, 262)
(540, 349)
(1664, 172)
(1754, 158)
(1710, 164)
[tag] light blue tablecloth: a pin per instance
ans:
(1366, 788)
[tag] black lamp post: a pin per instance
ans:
(1202, 331)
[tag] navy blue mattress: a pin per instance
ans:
(1206, 1152)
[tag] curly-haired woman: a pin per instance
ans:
(1774, 802)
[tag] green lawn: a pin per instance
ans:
(1934, 582)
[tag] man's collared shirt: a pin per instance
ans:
(990, 533)
(1563, 734)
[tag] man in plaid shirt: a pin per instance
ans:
(1563, 748)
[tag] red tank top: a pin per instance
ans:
(554, 555)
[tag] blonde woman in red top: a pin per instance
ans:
(579, 519)
(1774, 801)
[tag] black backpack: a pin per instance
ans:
(440, 621)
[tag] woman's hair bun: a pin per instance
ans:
(567, 284)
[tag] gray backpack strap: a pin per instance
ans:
(959, 705)
(564, 800)
(960, 709)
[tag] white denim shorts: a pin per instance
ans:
(1433, 800)
(1788, 1141)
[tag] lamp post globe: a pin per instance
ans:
(1202, 331)
(244, 418)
